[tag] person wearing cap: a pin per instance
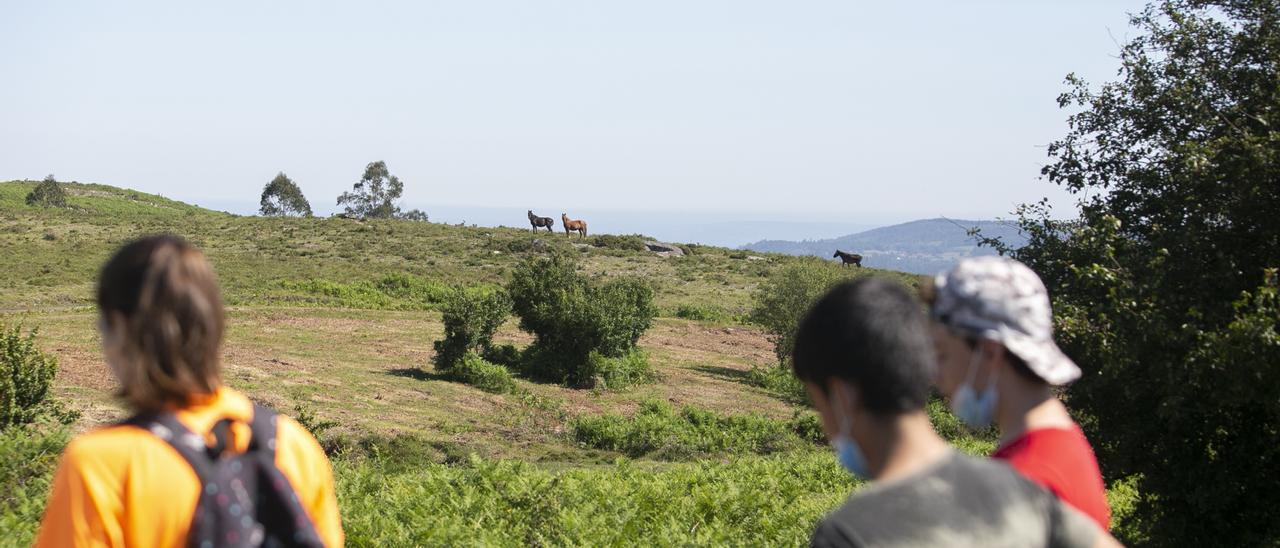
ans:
(864, 354)
(998, 363)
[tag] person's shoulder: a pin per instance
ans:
(111, 443)
(839, 528)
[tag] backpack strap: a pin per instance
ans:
(263, 426)
(166, 426)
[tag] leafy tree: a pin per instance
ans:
(414, 215)
(49, 193)
(783, 299)
(1165, 288)
(25, 377)
(281, 197)
(471, 317)
(375, 195)
(573, 318)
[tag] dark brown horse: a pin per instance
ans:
(571, 225)
(541, 222)
(847, 259)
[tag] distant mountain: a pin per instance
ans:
(922, 247)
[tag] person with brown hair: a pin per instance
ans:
(199, 463)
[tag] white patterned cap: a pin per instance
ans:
(1001, 299)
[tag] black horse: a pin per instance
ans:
(849, 258)
(540, 222)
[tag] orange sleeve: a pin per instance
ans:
(84, 506)
(302, 460)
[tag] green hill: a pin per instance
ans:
(333, 319)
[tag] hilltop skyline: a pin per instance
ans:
(821, 110)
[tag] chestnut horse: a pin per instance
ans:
(539, 222)
(847, 259)
(571, 225)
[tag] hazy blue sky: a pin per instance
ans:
(848, 111)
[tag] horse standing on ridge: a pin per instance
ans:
(540, 222)
(571, 225)
(847, 259)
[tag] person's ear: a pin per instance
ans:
(843, 396)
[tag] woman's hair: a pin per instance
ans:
(167, 296)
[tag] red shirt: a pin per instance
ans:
(1061, 460)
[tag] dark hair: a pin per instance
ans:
(872, 333)
(167, 295)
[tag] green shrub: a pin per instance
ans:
(48, 193)
(571, 317)
(506, 355)
(25, 376)
(471, 317)
(629, 369)
(808, 426)
(780, 381)
(746, 501)
(313, 423)
(29, 454)
(396, 291)
(475, 371)
(783, 299)
(633, 242)
(700, 313)
(658, 430)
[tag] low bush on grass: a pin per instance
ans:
(28, 455)
(478, 372)
(701, 313)
(470, 317)
(621, 372)
(49, 193)
(396, 291)
(779, 381)
(658, 430)
(784, 298)
(632, 242)
(572, 317)
(743, 501)
(26, 374)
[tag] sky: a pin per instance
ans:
(840, 112)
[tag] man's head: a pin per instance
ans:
(863, 350)
(993, 313)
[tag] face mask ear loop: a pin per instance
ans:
(846, 424)
(973, 364)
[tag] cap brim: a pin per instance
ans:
(1045, 359)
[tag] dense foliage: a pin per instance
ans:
(470, 317)
(282, 197)
(49, 193)
(25, 377)
(783, 299)
(743, 501)
(375, 195)
(29, 454)
(659, 430)
(1165, 287)
(572, 317)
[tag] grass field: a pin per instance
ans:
(336, 318)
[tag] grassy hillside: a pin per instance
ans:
(334, 319)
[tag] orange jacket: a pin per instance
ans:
(122, 486)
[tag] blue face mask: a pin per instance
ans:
(847, 450)
(976, 409)
(850, 456)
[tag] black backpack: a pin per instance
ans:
(246, 500)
